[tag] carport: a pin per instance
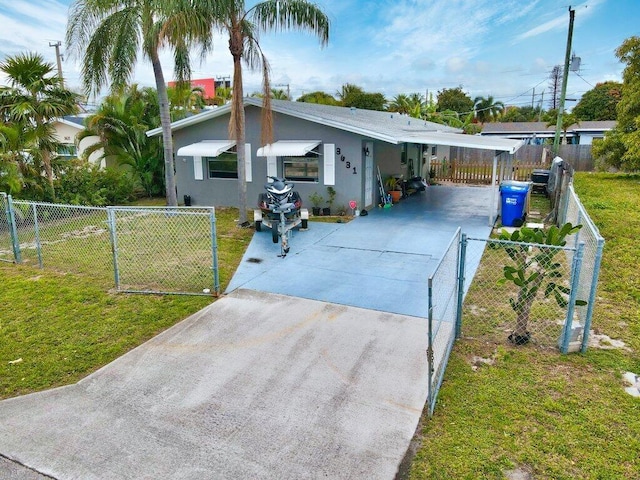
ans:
(503, 149)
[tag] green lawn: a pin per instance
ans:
(57, 327)
(534, 410)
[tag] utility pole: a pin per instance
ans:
(565, 77)
(59, 59)
(533, 96)
(288, 89)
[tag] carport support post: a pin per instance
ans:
(493, 211)
(461, 260)
(430, 392)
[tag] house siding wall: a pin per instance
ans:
(349, 161)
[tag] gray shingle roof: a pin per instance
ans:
(385, 126)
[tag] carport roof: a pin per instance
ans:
(390, 127)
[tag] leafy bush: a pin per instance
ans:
(84, 184)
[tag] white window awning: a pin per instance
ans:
(288, 148)
(206, 148)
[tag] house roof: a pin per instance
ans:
(510, 128)
(388, 127)
(75, 121)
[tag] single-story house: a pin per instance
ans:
(316, 146)
(66, 131)
(538, 133)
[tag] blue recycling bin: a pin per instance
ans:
(514, 202)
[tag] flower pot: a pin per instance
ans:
(396, 195)
(315, 211)
(326, 211)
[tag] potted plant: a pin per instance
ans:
(394, 187)
(331, 192)
(316, 200)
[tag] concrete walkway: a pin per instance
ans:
(284, 377)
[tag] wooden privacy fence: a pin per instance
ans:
(479, 172)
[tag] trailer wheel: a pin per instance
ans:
(304, 224)
(274, 231)
(258, 225)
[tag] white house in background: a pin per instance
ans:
(66, 131)
(538, 133)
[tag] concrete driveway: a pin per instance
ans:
(379, 262)
(285, 377)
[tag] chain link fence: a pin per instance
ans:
(66, 238)
(145, 250)
(573, 211)
(443, 311)
(501, 305)
(164, 250)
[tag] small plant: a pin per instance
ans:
(393, 184)
(316, 199)
(534, 270)
(331, 192)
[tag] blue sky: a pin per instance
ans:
(504, 48)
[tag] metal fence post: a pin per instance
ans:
(575, 280)
(111, 219)
(461, 265)
(36, 229)
(592, 295)
(15, 242)
(214, 252)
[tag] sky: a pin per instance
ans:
(502, 48)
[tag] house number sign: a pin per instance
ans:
(347, 163)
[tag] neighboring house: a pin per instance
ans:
(66, 131)
(538, 133)
(315, 146)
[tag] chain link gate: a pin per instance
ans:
(164, 250)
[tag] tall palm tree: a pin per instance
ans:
(34, 99)
(399, 103)
(108, 34)
(243, 27)
(185, 100)
(487, 109)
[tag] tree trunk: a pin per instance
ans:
(167, 140)
(237, 124)
(523, 307)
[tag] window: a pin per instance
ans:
(302, 169)
(224, 165)
(434, 150)
(67, 150)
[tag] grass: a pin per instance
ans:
(63, 326)
(539, 412)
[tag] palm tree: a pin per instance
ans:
(120, 124)
(34, 99)
(568, 119)
(108, 34)
(487, 109)
(185, 100)
(400, 104)
(348, 90)
(243, 27)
